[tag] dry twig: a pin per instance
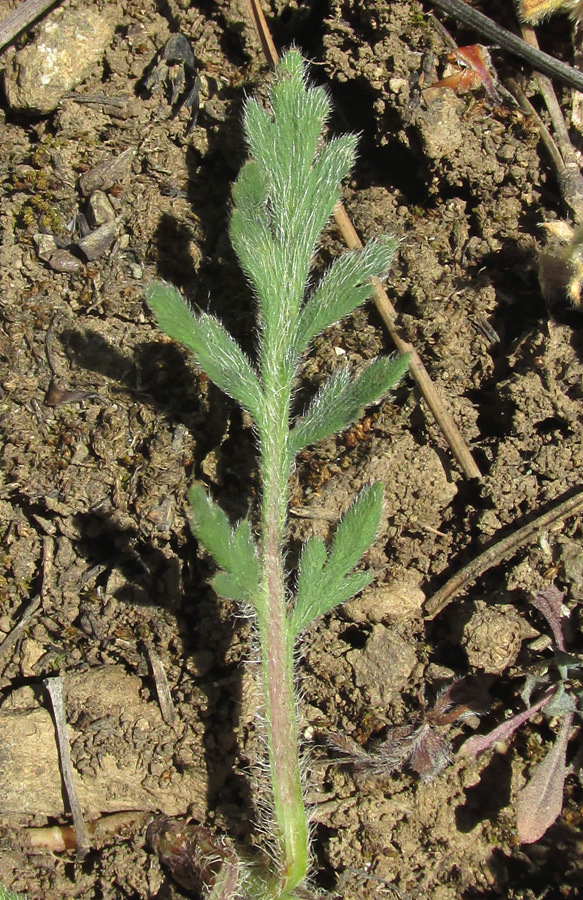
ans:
(60, 838)
(21, 17)
(13, 636)
(55, 688)
(545, 135)
(499, 551)
(165, 703)
(569, 176)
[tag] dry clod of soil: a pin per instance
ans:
(123, 752)
(68, 46)
(493, 636)
(383, 667)
(386, 603)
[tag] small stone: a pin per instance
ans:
(440, 127)
(98, 242)
(99, 209)
(386, 603)
(67, 48)
(107, 173)
(162, 515)
(45, 245)
(30, 654)
(63, 261)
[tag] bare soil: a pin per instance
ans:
(92, 499)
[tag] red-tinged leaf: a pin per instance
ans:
(431, 753)
(550, 605)
(477, 58)
(479, 743)
(541, 801)
(198, 860)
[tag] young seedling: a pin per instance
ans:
(283, 198)
(554, 689)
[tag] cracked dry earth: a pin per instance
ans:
(104, 424)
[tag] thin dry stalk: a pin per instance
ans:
(499, 551)
(61, 838)
(167, 708)
(569, 176)
(23, 16)
(16, 632)
(545, 135)
(54, 687)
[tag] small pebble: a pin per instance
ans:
(107, 173)
(99, 209)
(63, 261)
(45, 245)
(98, 242)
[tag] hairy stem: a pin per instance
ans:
(277, 656)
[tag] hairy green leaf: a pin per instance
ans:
(296, 182)
(325, 579)
(251, 235)
(259, 256)
(356, 530)
(342, 399)
(284, 139)
(332, 164)
(233, 549)
(346, 285)
(215, 351)
(251, 192)
(6, 894)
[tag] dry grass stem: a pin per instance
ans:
(499, 551)
(21, 17)
(54, 687)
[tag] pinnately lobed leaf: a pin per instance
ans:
(342, 399)
(283, 202)
(346, 285)
(233, 549)
(216, 352)
(324, 578)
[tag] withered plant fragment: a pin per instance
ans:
(554, 688)
(422, 745)
(197, 860)
(561, 263)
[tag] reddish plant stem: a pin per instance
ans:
(277, 667)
